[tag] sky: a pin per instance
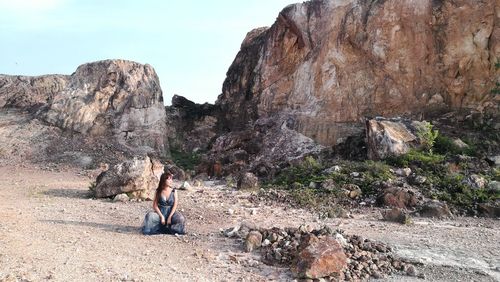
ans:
(190, 44)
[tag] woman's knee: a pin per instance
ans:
(178, 218)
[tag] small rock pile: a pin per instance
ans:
(365, 258)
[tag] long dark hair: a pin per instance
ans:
(161, 185)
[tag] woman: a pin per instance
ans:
(165, 206)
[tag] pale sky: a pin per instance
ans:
(191, 44)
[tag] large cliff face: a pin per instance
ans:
(325, 65)
(115, 98)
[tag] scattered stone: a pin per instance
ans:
(352, 191)
(248, 181)
(475, 181)
(253, 240)
(411, 270)
(121, 198)
(312, 255)
(328, 185)
(460, 144)
(494, 186)
(494, 160)
(418, 179)
(405, 172)
(313, 185)
(396, 215)
(186, 186)
(335, 168)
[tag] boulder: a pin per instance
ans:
(248, 181)
(398, 198)
(320, 257)
(390, 137)
(134, 177)
(435, 209)
(253, 240)
(475, 181)
(396, 215)
(489, 210)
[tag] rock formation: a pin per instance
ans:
(119, 99)
(326, 65)
(138, 177)
(190, 126)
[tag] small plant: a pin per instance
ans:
(496, 89)
(92, 186)
(427, 135)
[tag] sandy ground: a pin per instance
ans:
(50, 229)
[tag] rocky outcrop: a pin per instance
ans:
(326, 65)
(115, 98)
(191, 126)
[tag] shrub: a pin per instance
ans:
(92, 186)
(185, 160)
(426, 135)
(309, 170)
(496, 89)
(424, 160)
(445, 146)
(452, 189)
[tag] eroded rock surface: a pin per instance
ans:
(325, 65)
(115, 98)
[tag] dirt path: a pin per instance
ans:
(51, 230)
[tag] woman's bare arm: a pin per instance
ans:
(157, 209)
(169, 220)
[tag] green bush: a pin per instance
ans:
(424, 160)
(452, 189)
(309, 170)
(305, 197)
(426, 135)
(445, 146)
(372, 174)
(185, 160)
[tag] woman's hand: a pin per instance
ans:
(162, 220)
(169, 220)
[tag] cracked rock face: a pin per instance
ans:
(325, 65)
(116, 98)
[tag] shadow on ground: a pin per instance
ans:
(68, 193)
(124, 229)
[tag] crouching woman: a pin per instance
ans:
(165, 219)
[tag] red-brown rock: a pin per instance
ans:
(320, 257)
